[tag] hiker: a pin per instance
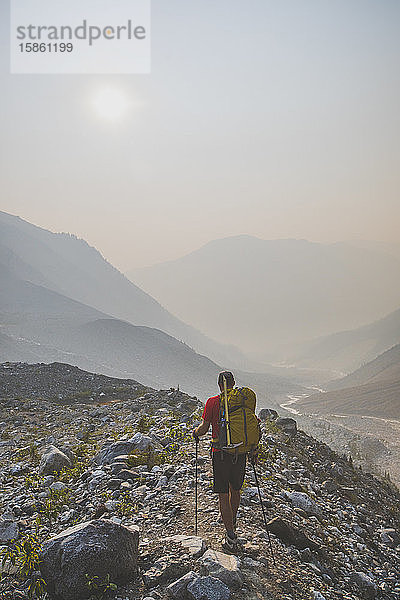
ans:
(229, 446)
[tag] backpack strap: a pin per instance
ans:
(243, 407)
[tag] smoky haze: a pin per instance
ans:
(266, 297)
(278, 120)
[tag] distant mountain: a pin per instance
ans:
(40, 325)
(267, 295)
(65, 264)
(384, 368)
(348, 350)
(392, 249)
(372, 390)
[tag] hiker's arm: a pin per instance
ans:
(202, 429)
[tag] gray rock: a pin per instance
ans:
(329, 486)
(288, 425)
(53, 460)
(177, 589)
(303, 501)
(126, 474)
(114, 484)
(268, 414)
(367, 587)
(141, 441)
(58, 486)
(162, 482)
(290, 535)
(138, 442)
(95, 548)
(67, 516)
(224, 567)
(317, 595)
(164, 569)
(8, 530)
(116, 467)
(208, 588)
(18, 469)
(390, 537)
(68, 452)
(195, 545)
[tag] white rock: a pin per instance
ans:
(225, 567)
(8, 530)
(303, 501)
(196, 546)
(58, 486)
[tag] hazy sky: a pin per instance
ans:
(273, 118)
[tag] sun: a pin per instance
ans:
(110, 104)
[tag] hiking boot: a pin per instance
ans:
(230, 544)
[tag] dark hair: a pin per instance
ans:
(230, 380)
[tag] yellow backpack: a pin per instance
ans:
(239, 430)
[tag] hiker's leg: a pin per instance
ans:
(236, 478)
(234, 498)
(226, 511)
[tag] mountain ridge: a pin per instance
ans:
(268, 295)
(75, 269)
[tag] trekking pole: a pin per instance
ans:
(263, 509)
(195, 486)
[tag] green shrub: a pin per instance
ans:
(100, 587)
(145, 423)
(23, 556)
(53, 505)
(126, 508)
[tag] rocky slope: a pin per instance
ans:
(98, 500)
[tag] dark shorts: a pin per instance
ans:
(228, 470)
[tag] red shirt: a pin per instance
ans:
(211, 414)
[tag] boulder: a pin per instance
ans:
(288, 425)
(58, 486)
(127, 474)
(193, 544)
(366, 586)
(164, 569)
(208, 588)
(177, 589)
(94, 548)
(303, 501)
(108, 454)
(53, 460)
(268, 414)
(290, 535)
(8, 530)
(224, 567)
(329, 486)
(390, 537)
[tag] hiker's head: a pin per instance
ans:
(230, 380)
